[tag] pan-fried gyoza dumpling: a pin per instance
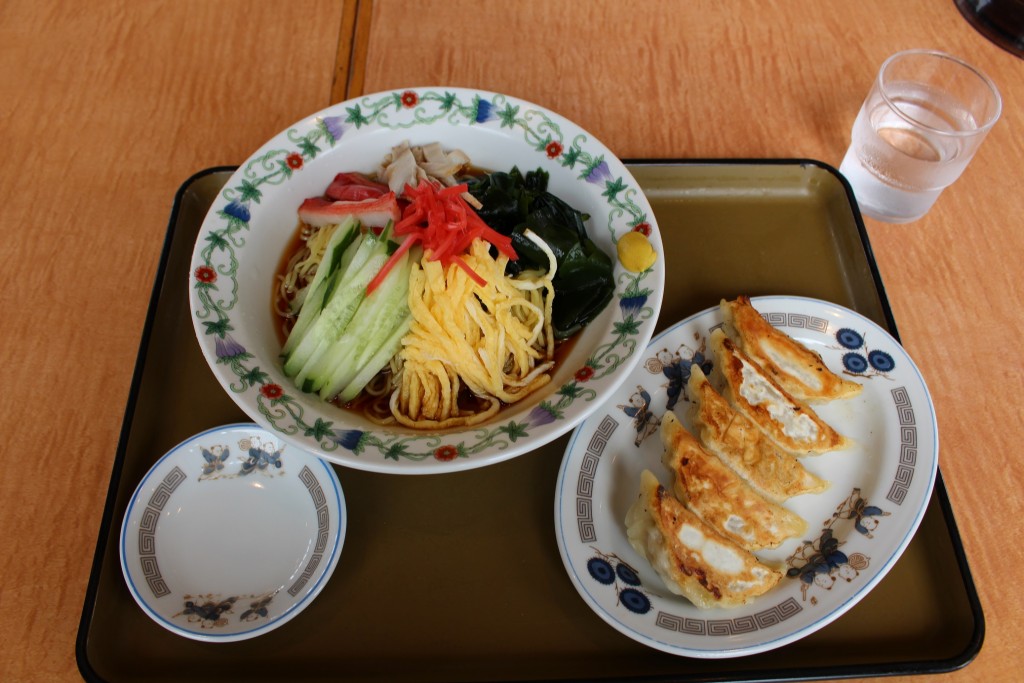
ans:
(787, 421)
(795, 367)
(720, 497)
(738, 442)
(693, 559)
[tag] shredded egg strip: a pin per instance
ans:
(495, 339)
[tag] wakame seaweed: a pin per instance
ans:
(513, 203)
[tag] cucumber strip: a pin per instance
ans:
(373, 323)
(347, 289)
(376, 317)
(343, 236)
(333, 321)
(378, 360)
(317, 290)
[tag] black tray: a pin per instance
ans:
(457, 577)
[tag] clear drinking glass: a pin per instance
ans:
(920, 125)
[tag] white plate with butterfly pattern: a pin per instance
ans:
(857, 528)
(231, 534)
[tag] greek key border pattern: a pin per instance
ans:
(908, 446)
(730, 627)
(147, 531)
(585, 482)
(323, 521)
(797, 320)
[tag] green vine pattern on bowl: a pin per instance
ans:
(216, 283)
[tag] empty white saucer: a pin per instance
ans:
(231, 534)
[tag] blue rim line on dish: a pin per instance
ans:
(339, 498)
(826, 619)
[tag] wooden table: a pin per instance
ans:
(109, 105)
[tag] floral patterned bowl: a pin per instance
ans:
(246, 231)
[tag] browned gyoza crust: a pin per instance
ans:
(792, 365)
(683, 550)
(738, 442)
(720, 497)
(731, 363)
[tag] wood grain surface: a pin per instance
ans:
(108, 106)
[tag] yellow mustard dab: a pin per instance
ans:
(635, 252)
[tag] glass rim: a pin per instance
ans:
(979, 130)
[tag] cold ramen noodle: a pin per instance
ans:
(430, 294)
